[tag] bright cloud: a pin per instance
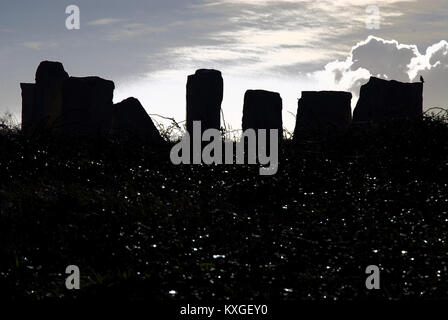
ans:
(37, 45)
(104, 21)
(389, 59)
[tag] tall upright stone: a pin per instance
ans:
(323, 112)
(262, 110)
(382, 100)
(49, 72)
(131, 119)
(204, 98)
(50, 77)
(87, 105)
(42, 102)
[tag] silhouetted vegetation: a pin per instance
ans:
(139, 227)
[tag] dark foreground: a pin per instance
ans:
(140, 228)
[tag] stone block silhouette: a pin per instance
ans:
(42, 102)
(87, 105)
(81, 106)
(49, 72)
(382, 100)
(50, 77)
(262, 110)
(204, 98)
(323, 112)
(131, 119)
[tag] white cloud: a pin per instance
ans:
(339, 3)
(384, 58)
(132, 30)
(433, 66)
(104, 21)
(389, 59)
(38, 45)
(275, 34)
(436, 56)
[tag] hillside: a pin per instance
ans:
(139, 227)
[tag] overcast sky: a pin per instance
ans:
(149, 47)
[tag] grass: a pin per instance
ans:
(139, 227)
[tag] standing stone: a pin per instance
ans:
(382, 100)
(262, 110)
(321, 112)
(131, 119)
(204, 98)
(87, 105)
(49, 72)
(50, 77)
(42, 102)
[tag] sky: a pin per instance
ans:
(148, 48)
